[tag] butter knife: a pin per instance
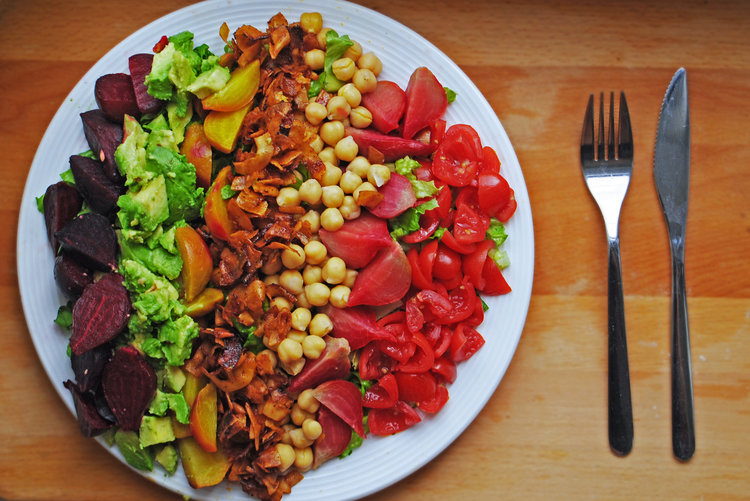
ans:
(671, 176)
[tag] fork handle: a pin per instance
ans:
(620, 407)
(683, 430)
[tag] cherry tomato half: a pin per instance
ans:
(415, 387)
(470, 225)
(437, 402)
(490, 162)
(494, 193)
(388, 421)
(444, 369)
(465, 343)
(373, 363)
(456, 160)
(447, 263)
(383, 394)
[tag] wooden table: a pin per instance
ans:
(543, 435)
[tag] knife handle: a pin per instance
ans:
(683, 427)
(620, 407)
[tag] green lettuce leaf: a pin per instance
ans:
(408, 221)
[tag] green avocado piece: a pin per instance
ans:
(157, 260)
(174, 378)
(146, 207)
(209, 81)
(167, 457)
(130, 447)
(156, 430)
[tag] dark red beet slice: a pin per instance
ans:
(89, 365)
(89, 420)
(61, 204)
(71, 276)
(392, 147)
(386, 104)
(356, 324)
(426, 101)
(358, 240)
(398, 195)
(91, 240)
(336, 436)
(333, 363)
(385, 280)
(344, 399)
(129, 385)
(96, 187)
(115, 96)
(103, 137)
(140, 66)
(100, 314)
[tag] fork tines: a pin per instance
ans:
(624, 137)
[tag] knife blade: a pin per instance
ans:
(671, 176)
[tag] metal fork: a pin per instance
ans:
(607, 173)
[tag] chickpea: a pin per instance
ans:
(360, 165)
(289, 351)
(349, 181)
(320, 325)
(310, 191)
(313, 346)
(293, 257)
(315, 59)
(365, 80)
(311, 22)
(360, 117)
(311, 428)
(287, 455)
(339, 298)
(338, 108)
(318, 294)
(271, 267)
(351, 94)
(333, 196)
(315, 252)
(378, 174)
(299, 440)
(332, 175)
(354, 51)
(346, 149)
(328, 155)
(349, 208)
(302, 301)
(293, 368)
(271, 279)
(303, 459)
(369, 61)
(351, 276)
(313, 219)
(331, 218)
(312, 274)
(299, 415)
(281, 303)
(322, 37)
(332, 132)
(315, 112)
(301, 318)
(344, 69)
(317, 144)
(307, 401)
(287, 197)
(296, 335)
(334, 271)
(366, 186)
(292, 281)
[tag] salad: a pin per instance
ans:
(270, 253)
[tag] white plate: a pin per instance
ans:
(385, 460)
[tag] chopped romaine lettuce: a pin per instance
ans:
(408, 221)
(422, 189)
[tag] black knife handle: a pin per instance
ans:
(683, 427)
(620, 407)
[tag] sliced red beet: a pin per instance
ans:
(386, 279)
(334, 439)
(426, 101)
(100, 314)
(96, 187)
(333, 363)
(398, 195)
(91, 240)
(358, 240)
(356, 324)
(386, 103)
(89, 420)
(115, 96)
(61, 204)
(129, 385)
(103, 137)
(344, 399)
(140, 66)
(71, 276)
(88, 366)
(392, 147)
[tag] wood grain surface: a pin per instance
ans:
(543, 435)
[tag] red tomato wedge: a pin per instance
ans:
(335, 438)
(343, 399)
(386, 103)
(457, 159)
(415, 387)
(426, 101)
(389, 421)
(398, 196)
(386, 279)
(392, 147)
(383, 394)
(358, 240)
(493, 191)
(495, 283)
(437, 402)
(357, 325)
(465, 343)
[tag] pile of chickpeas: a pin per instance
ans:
(316, 278)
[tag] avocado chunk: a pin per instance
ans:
(157, 260)
(156, 430)
(174, 378)
(167, 457)
(146, 207)
(130, 447)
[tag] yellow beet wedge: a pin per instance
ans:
(202, 468)
(239, 90)
(223, 127)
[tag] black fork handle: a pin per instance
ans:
(620, 406)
